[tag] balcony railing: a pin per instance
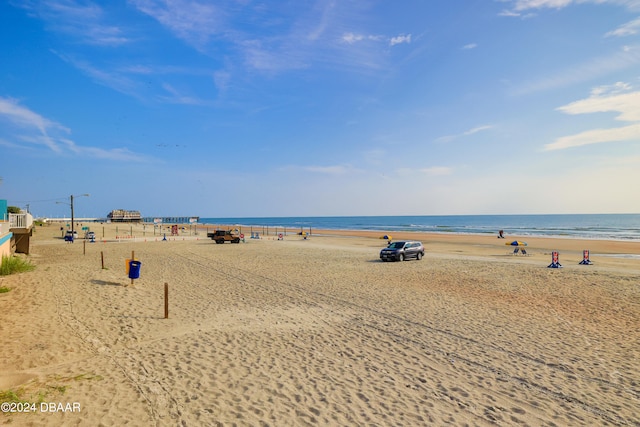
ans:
(21, 220)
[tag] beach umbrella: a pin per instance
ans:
(517, 243)
(386, 237)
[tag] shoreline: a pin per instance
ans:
(604, 246)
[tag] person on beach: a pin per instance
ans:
(501, 234)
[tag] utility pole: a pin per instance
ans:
(71, 203)
(72, 216)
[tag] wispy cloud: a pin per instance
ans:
(596, 136)
(449, 138)
(428, 171)
(604, 99)
(470, 46)
(27, 126)
(437, 170)
(112, 79)
(22, 118)
(133, 79)
(176, 97)
(400, 39)
(629, 29)
(522, 8)
(625, 58)
(195, 22)
(353, 38)
(85, 21)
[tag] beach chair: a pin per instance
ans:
(516, 250)
(523, 252)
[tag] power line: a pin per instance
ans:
(40, 201)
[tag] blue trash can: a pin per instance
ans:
(134, 269)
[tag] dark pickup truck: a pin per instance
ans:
(221, 236)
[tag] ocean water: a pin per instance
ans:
(585, 226)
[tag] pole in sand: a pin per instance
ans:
(166, 300)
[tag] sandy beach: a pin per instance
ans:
(319, 331)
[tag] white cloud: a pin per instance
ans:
(30, 127)
(520, 6)
(616, 88)
(539, 4)
(628, 29)
(25, 119)
(400, 39)
(470, 46)
(82, 20)
(192, 21)
(626, 104)
(596, 136)
(176, 97)
(113, 80)
(449, 138)
(352, 38)
(625, 58)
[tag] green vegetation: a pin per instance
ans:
(21, 395)
(4, 289)
(11, 396)
(36, 392)
(11, 265)
(13, 209)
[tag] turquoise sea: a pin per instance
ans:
(584, 226)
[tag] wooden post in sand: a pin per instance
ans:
(166, 300)
(84, 247)
(102, 258)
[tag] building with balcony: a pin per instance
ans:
(121, 215)
(16, 230)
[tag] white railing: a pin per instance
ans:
(4, 228)
(21, 220)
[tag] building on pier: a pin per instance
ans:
(171, 219)
(121, 215)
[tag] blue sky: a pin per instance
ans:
(239, 108)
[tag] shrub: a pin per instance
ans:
(14, 264)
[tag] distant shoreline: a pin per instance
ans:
(617, 248)
(605, 227)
